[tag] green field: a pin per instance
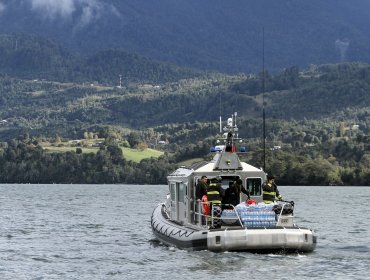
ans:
(128, 153)
(137, 156)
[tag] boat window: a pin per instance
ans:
(254, 186)
(182, 192)
(173, 191)
(227, 181)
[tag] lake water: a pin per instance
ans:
(103, 232)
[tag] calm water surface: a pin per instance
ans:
(103, 232)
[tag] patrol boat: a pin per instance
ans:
(183, 221)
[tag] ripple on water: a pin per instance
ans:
(87, 232)
(359, 249)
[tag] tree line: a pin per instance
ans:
(342, 162)
(25, 161)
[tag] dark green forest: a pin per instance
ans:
(24, 161)
(317, 119)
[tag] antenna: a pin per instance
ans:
(263, 99)
(120, 81)
(220, 114)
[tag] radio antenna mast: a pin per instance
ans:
(263, 99)
(220, 114)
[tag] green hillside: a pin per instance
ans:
(317, 117)
(68, 109)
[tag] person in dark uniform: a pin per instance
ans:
(270, 191)
(232, 194)
(215, 194)
(201, 188)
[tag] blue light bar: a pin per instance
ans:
(243, 149)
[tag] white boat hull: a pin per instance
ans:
(284, 239)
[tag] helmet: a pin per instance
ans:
(217, 179)
(239, 181)
(270, 177)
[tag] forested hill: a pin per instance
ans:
(314, 93)
(207, 34)
(132, 73)
(47, 107)
(318, 119)
(33, 57)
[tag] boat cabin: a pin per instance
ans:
(185, 209)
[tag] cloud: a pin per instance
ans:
(83, 11)
(54, 9)
(342, 46)
(90, 11)
(2, 7)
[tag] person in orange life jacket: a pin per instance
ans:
(232, 194)
(200, 191)
(270, 191)
(215, 193)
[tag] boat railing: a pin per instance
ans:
(280, 215)
(259, 216)
(208, 219)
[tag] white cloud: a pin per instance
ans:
(87, 11)
(342, 46)
(53, 9)
(91, 10)
(2, 7)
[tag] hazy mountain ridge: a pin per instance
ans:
(226, 36)
(34, 57)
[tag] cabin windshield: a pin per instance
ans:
(226, 182)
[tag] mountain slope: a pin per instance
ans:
(221, 35)
(339, 92)
(33, 57)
